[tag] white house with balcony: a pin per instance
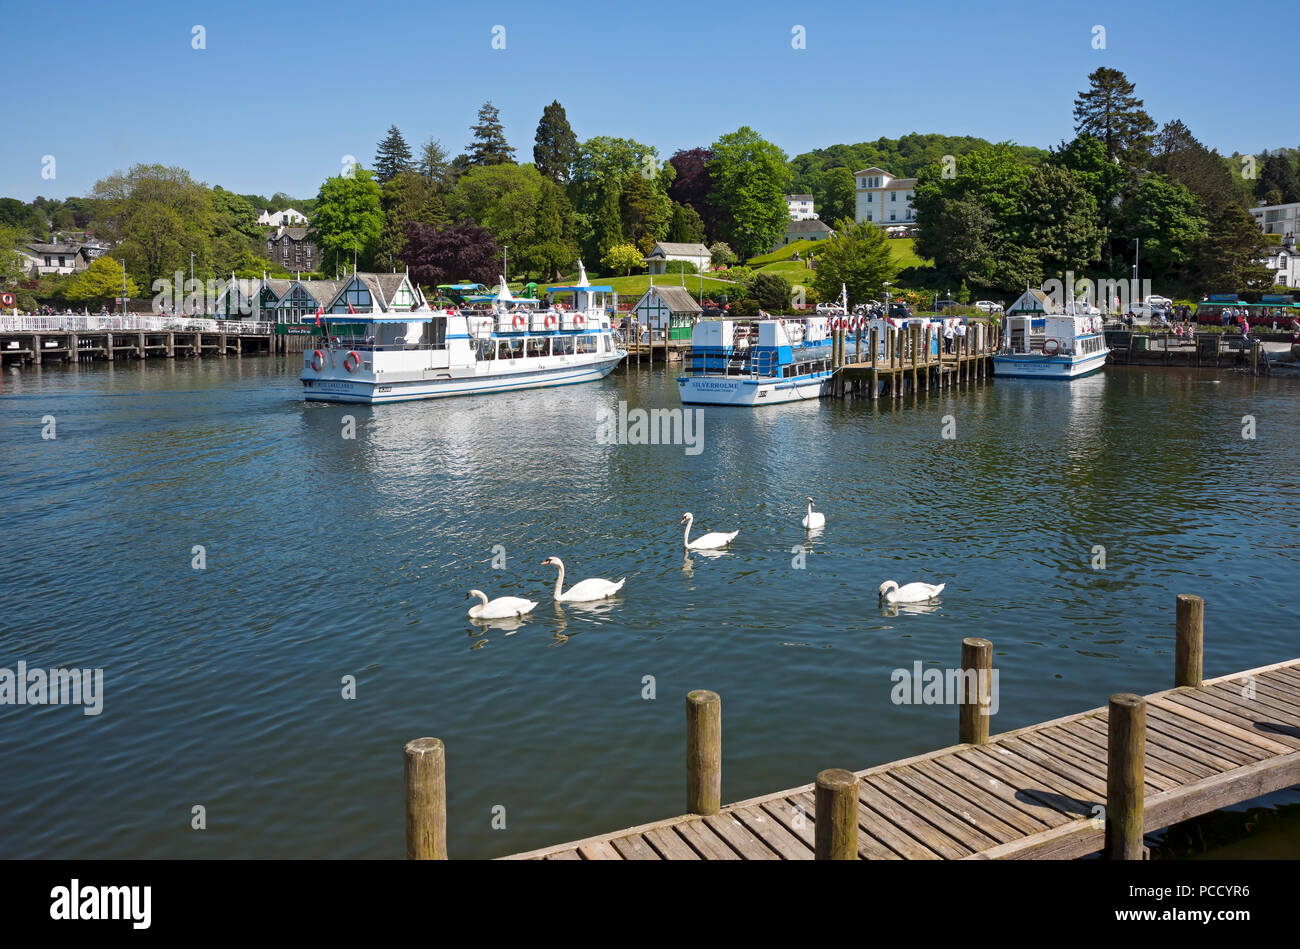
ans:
(289, 217)
(1284, 261)
(1277, 218)
(801, 207)
(884, 200)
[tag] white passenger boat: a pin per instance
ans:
(757, 361)
(1057, 346)
(435, 353)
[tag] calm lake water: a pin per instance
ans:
(328, 557)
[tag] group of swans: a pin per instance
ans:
(507, 607)
(598, 588)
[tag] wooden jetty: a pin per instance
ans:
(1091, 782)
(39, 340)
(1204, 350)
(909, 360)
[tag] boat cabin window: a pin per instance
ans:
(510, 349)
(586, 344)
(562, 346)
(485, 349)
(538, 346)
(605, 343)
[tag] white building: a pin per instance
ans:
(58, 258)
(657, 260)
(289, 217)
(1284, 261)
(809, 229)
(1278, 218)
(801, 207)
(883, 199)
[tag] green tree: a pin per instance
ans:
(489, 146)
(552, 249)
(858, 258)
(392, 156)
(770, 291)
(556, 147)
(1228, 258)
(157, 216)
(646, 211)
(750, 177)
(686, 226)
(407, 197)
(720, 255)
(837, 196)
(1277, 174)
(433, 165)
(608, 229)
(101, 281)
(1108, 110)
(1059, 220)
(622, 257)
(605, 162)
(13, 266)
(348, 221)
(1167, 218)
(504, 199)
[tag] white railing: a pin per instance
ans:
(151, 324)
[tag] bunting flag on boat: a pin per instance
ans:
(320, 311)
(350, 310)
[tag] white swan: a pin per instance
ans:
(500, 608)
(814, 519)
(584, 592)
(708, 541)
(891, 592)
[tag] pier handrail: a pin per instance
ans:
(130, 323)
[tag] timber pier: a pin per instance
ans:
(38, 340)
(1091, 782)
(905, 359)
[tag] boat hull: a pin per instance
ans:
(716, 390)
(373, 392)
(1047, 367)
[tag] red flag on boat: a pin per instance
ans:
(320, 311)
(350, 310)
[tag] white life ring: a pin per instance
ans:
(549, 322)
(352, 361)
(317, 360)
(1055, 344)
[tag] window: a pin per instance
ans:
(870, 197)
(485, 349)
(562, 346)
(893, 216)
(868, 215)
(47, 260)
(538, 346)
(61, 259)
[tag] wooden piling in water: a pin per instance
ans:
(1125, 770)
(973, 713)
(836, 821)
(426, 799)
(703, 752)
(874, 343)
(1189, 647)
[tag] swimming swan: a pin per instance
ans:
(891, 592)
(584, 592)
(500, 608)
(708, 541)
(814, 519)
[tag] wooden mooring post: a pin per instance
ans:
(426, 800)
(1189, 647)
(1125, 769)
(703, 752)
(835, 833)
(976, 672)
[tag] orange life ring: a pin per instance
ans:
(579, 320)
(518, 321)
(1056, 347)
(317, 360)
(354, 359)
(549, 322)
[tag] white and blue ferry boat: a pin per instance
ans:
(1055, 346)
(765, 361)
(434, 353)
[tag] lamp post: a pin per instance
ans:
(505, 263)
(886, 298)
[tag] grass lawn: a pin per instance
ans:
(630, 288)
(900, 248)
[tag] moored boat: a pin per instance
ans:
(765, 361)
(1057, 346)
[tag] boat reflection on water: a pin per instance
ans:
(910, 609)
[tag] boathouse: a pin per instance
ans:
(668, 307)
(377, 293)
(1033, 301)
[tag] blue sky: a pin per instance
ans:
(283, 91)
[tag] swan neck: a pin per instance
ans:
(686, 534)
(559, 581)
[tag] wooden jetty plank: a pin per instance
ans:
(1008, 785)
(1213, 757)
(564, 855)
(1190, 711)
(973, 811)
(900, 830)
(634, 847)
(599, 850)
(795, 817)
(1160, 773)
(788, 846)
(868, 847)
(1169, 761)
(1052, 789)
(956, 827)
(1084, 754)
(738, 837)
(1272, 688)
(1250, 714)
(985, 798)
(1224, 790)
(1065, 768)
(1213, 743)
(669, 845)
(1266, 694)
(705, 842)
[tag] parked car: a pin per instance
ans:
(941, 305)
(899, 311)
(829, 308)
(988, 306)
